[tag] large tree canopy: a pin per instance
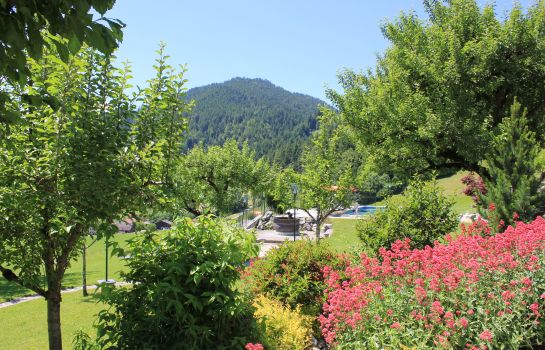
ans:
(441, 89)
(27, 27)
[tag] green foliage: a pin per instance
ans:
(375, 187)
(213, 179)
(280, 193)
(82, 341)
(275, 123)
(183, 293)
(292, 274)
(513, 162)
(326, 183)
(144, 226)
(30, 28)
(91, 157)
(280, 327)
(444, 84)
(423, 214)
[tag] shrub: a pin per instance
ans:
(475, 187)
(422, 214)
(282, 328)
(476, 291)
(144, 226)
(182, 293)
(292, 274)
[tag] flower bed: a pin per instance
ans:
(475, 291)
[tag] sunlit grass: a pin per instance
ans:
(24, 326)
(96, 267)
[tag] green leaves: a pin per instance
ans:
(82, 155)
(32, 28)
(184, 289)
(215, 178)
(423, 214)
(514, 186)
(443, 86)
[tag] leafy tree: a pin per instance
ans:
(375, 187)
(29, 27)
(423, 214)
(326, 181)
(441, 89)
(513, 191)
(93, 158)
(213, 179)
(183, 294)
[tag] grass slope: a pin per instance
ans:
(95, 270)
(24, 326)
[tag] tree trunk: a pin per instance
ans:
(54, 318)
(317, 231)
(84, 270)
(318, 223)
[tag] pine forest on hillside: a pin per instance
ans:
(275, 122)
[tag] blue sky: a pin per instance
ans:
(299, 45)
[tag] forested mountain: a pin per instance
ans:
(276, 123)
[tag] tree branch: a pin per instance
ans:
(12, 277)
(73, 238)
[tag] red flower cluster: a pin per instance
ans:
(251, 346)
(461, 292)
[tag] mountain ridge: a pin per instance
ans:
(275, 122)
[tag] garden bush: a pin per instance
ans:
(183, 293)
(476, 291)
(422, 214)
(292, 274)
(280, 327)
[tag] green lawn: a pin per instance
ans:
(453, 186)
(345, 237)
(95, 270)
(24, 325)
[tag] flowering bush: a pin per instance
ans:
(292, 274)
(474, 292)
(280, 327)
(475, 187)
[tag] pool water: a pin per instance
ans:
(362, 210)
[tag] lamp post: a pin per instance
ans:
(245, 203)
(106, 279)
(294, 192)
(263, 202)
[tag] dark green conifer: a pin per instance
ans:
(514, 189)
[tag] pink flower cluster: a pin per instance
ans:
(251, 346)
(454, 291)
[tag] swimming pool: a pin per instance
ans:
(361, 210)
